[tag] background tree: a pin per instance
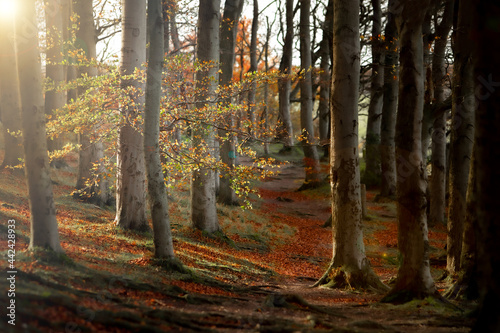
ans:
(44, 230)
(156, 184)
(203, 201)
(130, 184)
(349, 266)
(253, 68)
(10, 109)
(414, 278)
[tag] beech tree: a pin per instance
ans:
(349, 266)
(414, 278)
(203, 200)
(487, 143)
(131, 184)
(10, 109)
(311, 158)
(156, 184)
(44, 230)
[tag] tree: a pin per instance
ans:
(9, 89)
(414, 278)
(228, 31)
(44, 230)
(390, 105)
(437, 183)
(372, 171)
(91, 152)
(284, 83)
(485, 29)
(311, 158)
(349, 266)
(130, 184)
(253, 68)
(203, 201)
(156, 184)
(462, 136)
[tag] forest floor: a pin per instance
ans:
(257, 279)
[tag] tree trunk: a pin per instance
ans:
(285, 129)
(390, 105)
(253, 68)
(485, 29)
(228, 31)
(9, 89)
(437, 184)
(91, 152)
(308, 141)
(372, 172)
(156, 184)
(203, 205)
(54, 69)
(414, 278)
(44, 231)
(350, 267)
(130, 184)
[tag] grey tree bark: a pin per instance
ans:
(349, 266)
(373, 170)
(487, 142)
(44, 230)
(284, 84)
(414, 278)
(228, 31)
(10, 109)
(131, 180)
(308, 141)
(253, 68)
(437, 183)
(390, 105)
(91, 152)
(203, 200)
(462, 135)
(156, 184)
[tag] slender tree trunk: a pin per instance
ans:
(438, 161)
(349, 267)
(390, 105)
(253, 68)
(91, 152)
(228, 31)
(372, 172)
(203, 204)
(9, 89)
(156, 184)
(265, 113)
(130, 184)
(429, 89)
(284, 83)
(485, 29)
(414, 278)
(44, 230)
(308, 141)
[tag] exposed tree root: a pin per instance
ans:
(344, 278)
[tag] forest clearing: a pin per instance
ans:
(258, 279)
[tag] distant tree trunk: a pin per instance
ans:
(44, 231)
(228, 31)
(372, 172)
(203, 208)
(156, 184)
(308, 141)
(265, 113)
(130, 184)
(414, 278)
(438, 161)
(485, 29)
(349, 266)
(253, 68)
(462, 135)
(390, 105)
(10, 109)
(429, 90)
(54, 70)
(91, 153)
(284, 84)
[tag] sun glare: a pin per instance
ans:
(7, 8)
